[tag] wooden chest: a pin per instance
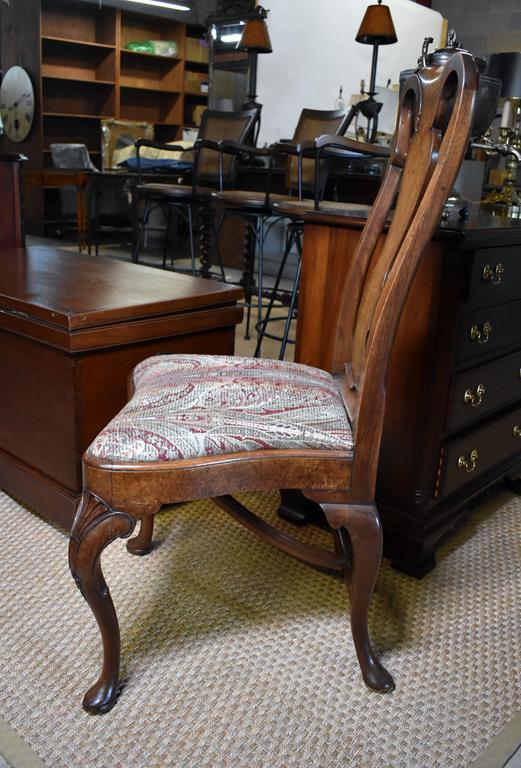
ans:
(72, 327)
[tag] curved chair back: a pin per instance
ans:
(312, 123)
(433, 129)
(217, 126)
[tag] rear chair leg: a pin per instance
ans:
(364, 543)
(142, 543)
(97, 525)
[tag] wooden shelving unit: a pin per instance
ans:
(196, 63)
(83, 72)
(151, 86)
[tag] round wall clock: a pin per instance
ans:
(17, 103)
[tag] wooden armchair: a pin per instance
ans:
(202, 426)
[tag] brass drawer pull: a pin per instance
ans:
(474, 398)
(517, 431)
(491, 275)
(483, 335)
(470, 464)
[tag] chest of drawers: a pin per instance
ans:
(453, 408)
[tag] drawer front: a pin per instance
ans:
(466, 458)
(495, 271)
(482, 331)
(478, 392)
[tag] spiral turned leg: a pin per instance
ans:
(205, 240)
(247, 280)
(97, 525)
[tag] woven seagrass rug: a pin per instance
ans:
(237, 656)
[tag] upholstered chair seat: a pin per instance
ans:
(188, 406)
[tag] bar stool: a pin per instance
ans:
(323, 150)
(255, 207)
(209, 173)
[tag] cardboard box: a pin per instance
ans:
(196, 50)
(117, 134)
(197, 114)
(196, 82)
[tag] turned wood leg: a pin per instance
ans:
(142, 543)
(205, 240)
(96, 526)
(364, 544)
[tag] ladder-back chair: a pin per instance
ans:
(207, 427)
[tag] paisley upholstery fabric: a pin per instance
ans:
(186, 406)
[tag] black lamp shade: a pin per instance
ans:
(377, 26)
(507, 68)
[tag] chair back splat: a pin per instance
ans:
(433, 130)
(202, 426)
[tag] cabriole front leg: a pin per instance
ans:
(97, 525)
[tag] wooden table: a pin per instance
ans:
(71, 329)
(453, 410)
(62, 177)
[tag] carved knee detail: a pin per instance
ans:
(95, 527)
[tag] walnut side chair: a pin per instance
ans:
(207, 427)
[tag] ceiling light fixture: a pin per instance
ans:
(234, 38)
(162, 4)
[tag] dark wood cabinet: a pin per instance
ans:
(453, 409)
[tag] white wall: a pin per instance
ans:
(315, 52)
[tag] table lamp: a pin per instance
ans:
(255, 39)
(376, 29)
(507, 68)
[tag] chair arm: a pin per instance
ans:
(285, 148)
(331, 146)
(158, 145)
(360, 147)
(206, 144)
(154, 145)
(237, 148)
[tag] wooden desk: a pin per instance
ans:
(89, 186)
(63, 177)
(11, 216)
(71, 330)
(453, 387)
